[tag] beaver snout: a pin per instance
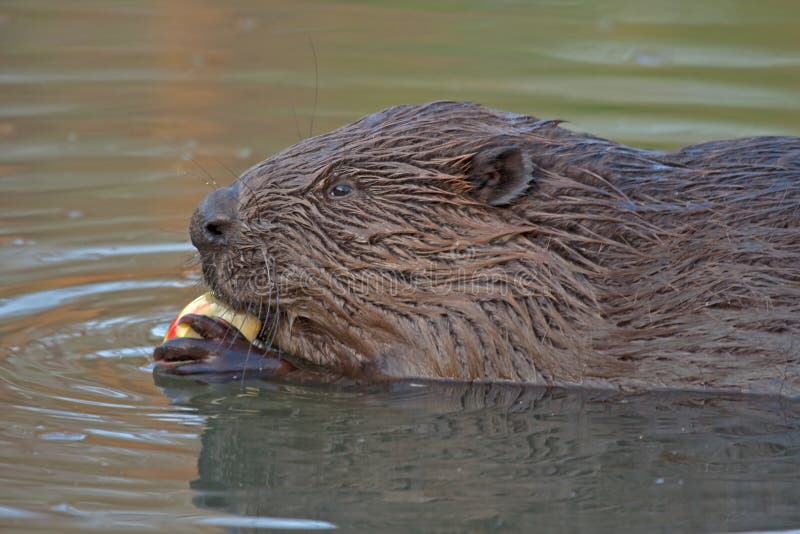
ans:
(215, 223)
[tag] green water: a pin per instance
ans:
(114, 118)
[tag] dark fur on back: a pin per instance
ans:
(603, 265)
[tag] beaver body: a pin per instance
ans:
(448, 240)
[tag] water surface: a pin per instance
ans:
(117, 117)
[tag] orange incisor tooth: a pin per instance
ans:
(208, 305)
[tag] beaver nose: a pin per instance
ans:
(215, 221)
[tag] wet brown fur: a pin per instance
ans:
(614, 267)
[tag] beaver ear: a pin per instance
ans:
(498, 175)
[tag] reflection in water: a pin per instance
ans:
(496, 456)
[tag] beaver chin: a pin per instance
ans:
(238, 299)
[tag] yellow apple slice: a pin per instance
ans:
(208, 305)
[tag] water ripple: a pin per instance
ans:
(52, 298)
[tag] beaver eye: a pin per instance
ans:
(340, 190)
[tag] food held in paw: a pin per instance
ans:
(210, 306)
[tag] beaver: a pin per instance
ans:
(452, 241)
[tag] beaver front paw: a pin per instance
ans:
(221, 349)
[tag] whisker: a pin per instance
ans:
(211, 181)
(194, 174)
(249, 311)
(221, 164)
(316, 87)
(267, 316)
(273, 287)
(296, 123)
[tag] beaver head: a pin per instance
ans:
(394, 245)
(450, 240)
